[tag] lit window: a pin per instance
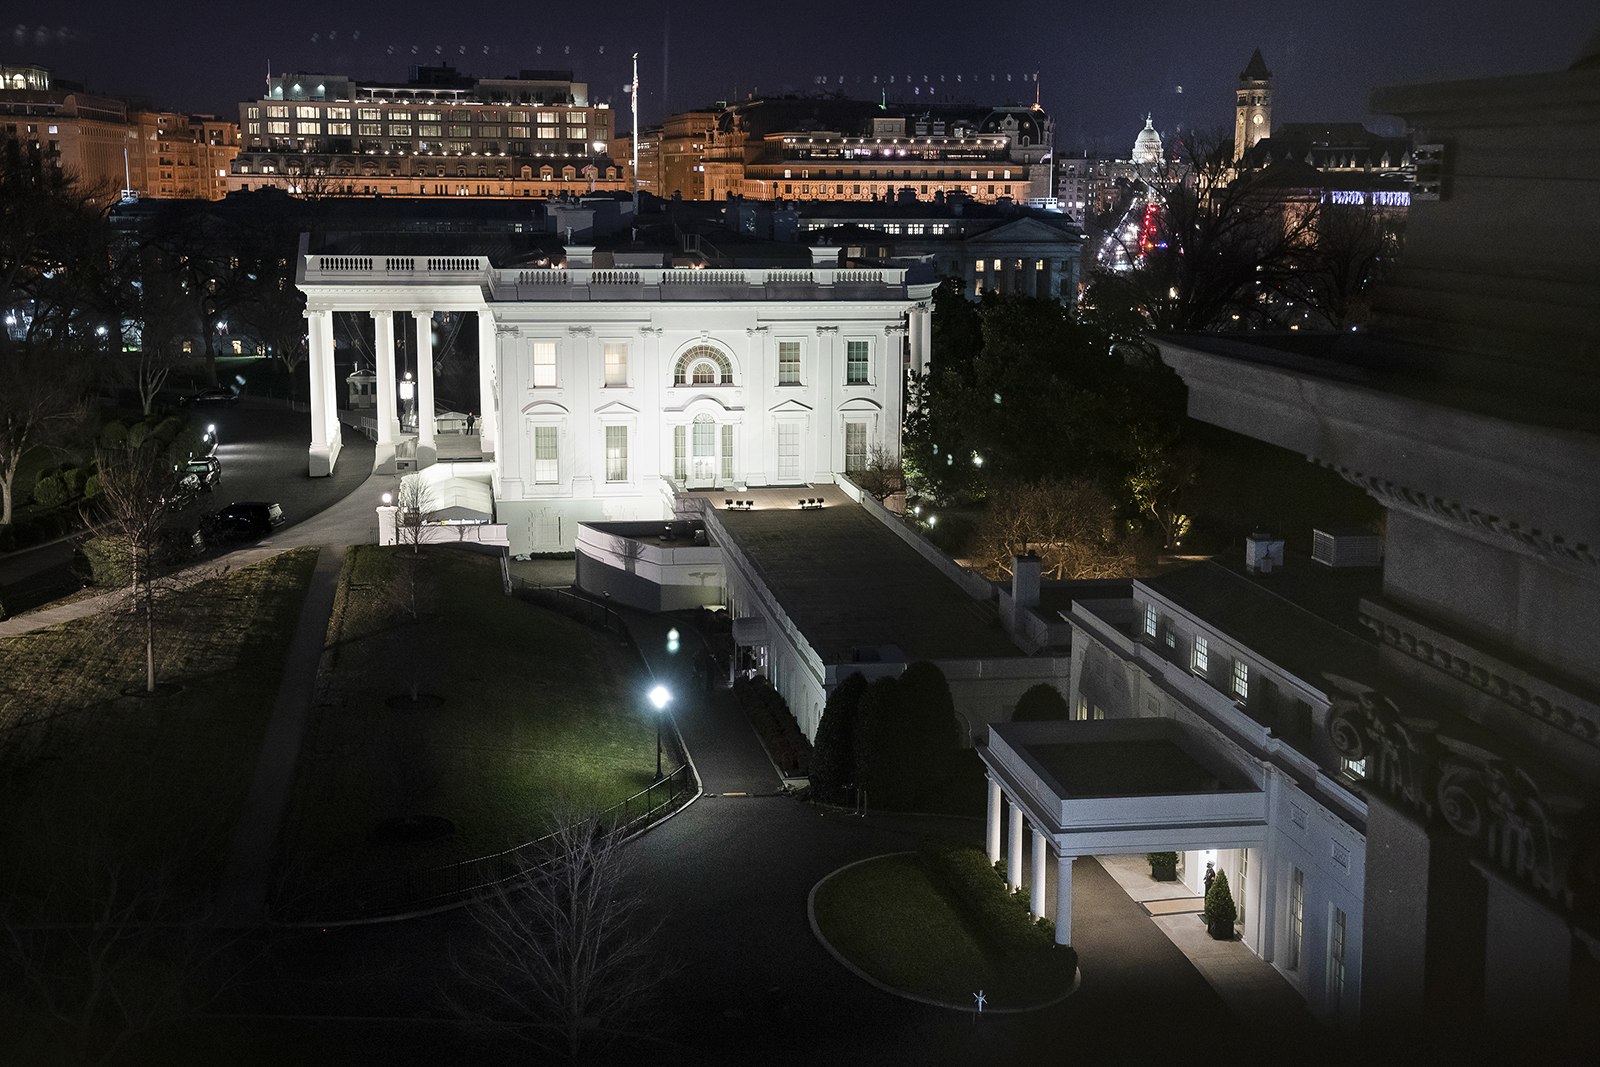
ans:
(788, 362)
(1297, 904)
(1336, 936)
(680, 452)
(855, 363)
(1150, 620)
(306, 113)
(704, 374)
(1241, 679)
(1201, 654)
(616, 453)
(544, 454)
(617, 364)
(727, 451)
(855, 446)
(544, 364)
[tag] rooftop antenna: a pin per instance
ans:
(636, 135)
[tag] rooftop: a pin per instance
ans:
(848, 582)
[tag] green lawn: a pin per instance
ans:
(91, 779)
(893, 921)
(538, 712)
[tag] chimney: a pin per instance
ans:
(825, 256)
(1025, 580)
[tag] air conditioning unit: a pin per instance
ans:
(1346, 547)
(1262, 553)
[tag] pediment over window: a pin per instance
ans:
(860, 403)
(790, 407)
(544, 407)
(616, 409)
(704, 400)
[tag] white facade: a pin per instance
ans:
(1299, 881)
(604, 384)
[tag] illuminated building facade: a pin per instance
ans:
(1253, 110)
(439, 134)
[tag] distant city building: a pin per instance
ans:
(109, 146)
(1253, 111)
(809, 149)
(1147, 146)
(440, 133)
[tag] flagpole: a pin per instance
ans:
(636, 135)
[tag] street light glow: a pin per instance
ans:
(659, 696)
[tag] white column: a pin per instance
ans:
(488, 357)
(1014, 853)
(996, 810)
(388, 416)
(1038, 882)
(426, 450)
(330, 390)
(1064, 900)
(319, 399)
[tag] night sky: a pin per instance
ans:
(1101, 65)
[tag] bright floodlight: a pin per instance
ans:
(659, 697)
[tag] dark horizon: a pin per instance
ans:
(1099, 71)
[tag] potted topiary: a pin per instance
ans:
(1163, 866)
(1220, 911)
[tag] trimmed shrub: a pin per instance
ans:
(137, 433)
(776, 725)
(1027, 946)
(50, 491)
(114, 435)
(110, 562)
(907, 731)
(1042, 703)
(1163, 866)
(73, 478)
(1219, 901)
(166, 431)
(833, 758)
(91, 487)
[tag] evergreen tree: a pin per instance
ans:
(1042, 703)
(833, 759)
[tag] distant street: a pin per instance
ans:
(262, 446)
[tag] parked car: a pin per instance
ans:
(221, 395)
(200, 475)
(242, 520)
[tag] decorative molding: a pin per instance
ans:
(826, 329)
(753, 330)
(893, 328)
(580, 331)
(507, 329)
(656, 330)
(1528, 537)
(1526, 820)
(1547, 702)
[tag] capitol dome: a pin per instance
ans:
(1147, 146)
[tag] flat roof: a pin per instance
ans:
(1146, 757)
(847, 582)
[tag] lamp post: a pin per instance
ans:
(659, 696)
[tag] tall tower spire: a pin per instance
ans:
(1254, 111)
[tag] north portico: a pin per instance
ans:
(603, 385)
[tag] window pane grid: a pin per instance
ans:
(544, 364)
(788, 362)
(855, 363)
(855, 446)
(616, 453)
(1241, 679)
(616, 364)
(727, 452)
(680, 452)
(544, 454)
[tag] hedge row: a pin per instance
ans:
(38, 528)
(776, 724)
(1025, 945)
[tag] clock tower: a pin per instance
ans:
(1255, 106)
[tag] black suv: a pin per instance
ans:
(222, 395)
(242, 520)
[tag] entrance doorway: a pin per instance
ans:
(703, 465)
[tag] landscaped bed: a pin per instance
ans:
(903, 921)
(92, 779)
(521, 712)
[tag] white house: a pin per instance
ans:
(607, 383)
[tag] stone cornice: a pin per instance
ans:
(1522, 535)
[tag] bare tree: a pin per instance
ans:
(139, 494)
(1069, 523)
(563, 952)
(883, 476)
(415, 506)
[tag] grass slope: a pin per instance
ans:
(537, 712)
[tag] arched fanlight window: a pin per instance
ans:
(703, 365)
